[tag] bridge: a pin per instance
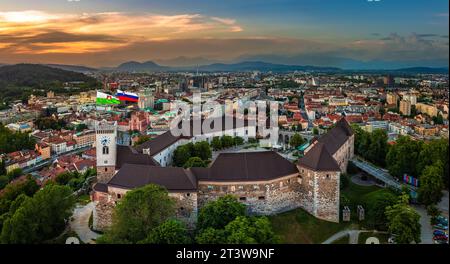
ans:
(381, 175)
(284, 136)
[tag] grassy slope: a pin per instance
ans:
(299, 227)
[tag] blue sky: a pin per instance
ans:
(352, 29)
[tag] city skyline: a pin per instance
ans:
(346, 34)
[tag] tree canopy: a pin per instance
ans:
(296, 140)
(403, 157)
(224, 221)
(371, 146)
(403, 221)
(138, 213)
(431, 184)
(217, 214)
(375, 208)
(39, 218)
(13, 141)
(169, 232)
(186, 152)
(242, 230)
(194, 162)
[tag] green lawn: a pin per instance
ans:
(381, 236)
(355, 192)
(299, 227)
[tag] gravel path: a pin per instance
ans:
(80, 223)
(426, 231)
(353, 236)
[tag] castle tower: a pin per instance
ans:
(106, 136)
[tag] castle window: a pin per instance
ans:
(106, 162)
(188, 194)
(106, 169)
(328, 176)
(105, 150)
(261, 198)
(119, 196)
(242, 198)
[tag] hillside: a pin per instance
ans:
(74, 68)
(148, 66)
(17, 82)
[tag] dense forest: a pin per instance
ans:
(17, 82)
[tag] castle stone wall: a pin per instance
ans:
(261, 198)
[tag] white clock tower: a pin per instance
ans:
(106, 149)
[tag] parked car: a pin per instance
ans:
(442, 220)
(439, 232)
(441, 226)
(440, 237)
(440, 241)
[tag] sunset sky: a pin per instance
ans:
(319, 32)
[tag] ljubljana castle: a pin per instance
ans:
(265, 181)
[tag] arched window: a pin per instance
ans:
(105, 150)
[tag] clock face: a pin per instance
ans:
(105, 141)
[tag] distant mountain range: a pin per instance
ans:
(134, 66)
(150, 66)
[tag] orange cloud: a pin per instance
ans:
(33, 31)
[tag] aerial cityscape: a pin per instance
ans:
(245, 122)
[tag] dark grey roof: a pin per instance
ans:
(166, 139)
(319, 159)
(336, 137)
(100, 187)
(126, 154)
(248, 166)
(132, 176)
(158, 144)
